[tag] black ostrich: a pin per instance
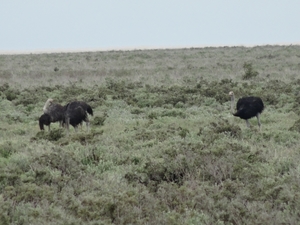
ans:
(247, 107)
(54, 110)
(75, 113)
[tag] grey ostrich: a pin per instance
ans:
(53, 112)
(247, 107)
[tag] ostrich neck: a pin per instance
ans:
(46, 106)
(232, 103)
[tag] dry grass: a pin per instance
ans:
(150, 66)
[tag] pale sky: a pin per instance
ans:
(36, 25)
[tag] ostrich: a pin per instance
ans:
(86, 107)
(54, 110)
(247, 107)
(75, 113)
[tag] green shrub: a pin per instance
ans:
(296, 126)
(99, 120)
(52, 135)
(249, 71)
(163, 146)
(6, 149)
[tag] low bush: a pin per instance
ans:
(163, 147)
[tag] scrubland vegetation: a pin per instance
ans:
(163, 146)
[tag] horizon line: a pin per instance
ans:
(81, 50)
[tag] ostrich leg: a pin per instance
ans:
(248, 124)
(258, 121)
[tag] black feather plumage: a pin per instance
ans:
(248, 107)
(85, 106)
(44, 119)
(76, 113)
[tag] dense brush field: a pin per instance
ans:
(163, 146)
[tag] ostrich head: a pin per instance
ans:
(47, 104)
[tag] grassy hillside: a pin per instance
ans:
(163, 146)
